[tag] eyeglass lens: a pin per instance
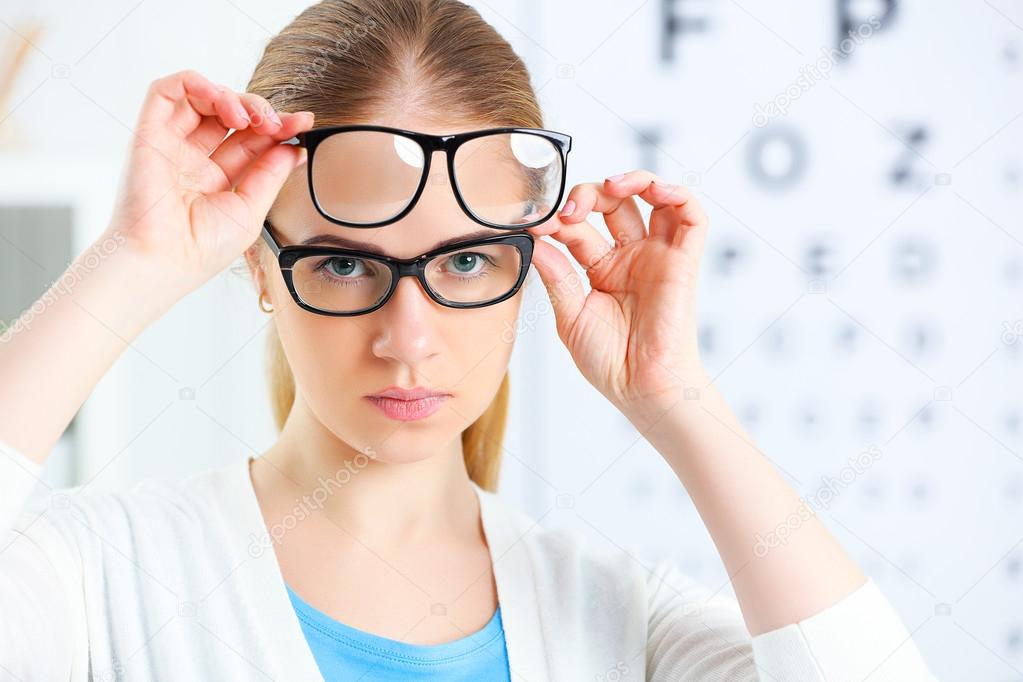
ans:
(479, 274)
(505, 179)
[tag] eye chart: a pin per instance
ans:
(861, 295)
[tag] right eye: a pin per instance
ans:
(342, 267)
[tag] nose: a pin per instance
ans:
(408, 325)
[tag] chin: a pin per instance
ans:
(406, 446)
(406, 440)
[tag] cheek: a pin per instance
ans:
(484, 342)
(321, 351)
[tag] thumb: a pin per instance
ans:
(266, 175)
(563, 283)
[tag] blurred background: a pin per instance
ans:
(860, 299)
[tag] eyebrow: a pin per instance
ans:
(334, 240)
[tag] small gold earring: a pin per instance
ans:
(263, 306)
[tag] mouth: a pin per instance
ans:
(404, 404)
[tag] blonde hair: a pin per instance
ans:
(348, 60)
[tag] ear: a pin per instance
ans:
(254, 259)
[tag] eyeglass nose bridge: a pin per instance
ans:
(412, 267)
(437, 143)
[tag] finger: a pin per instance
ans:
(264, 119)
(170, 102)
(691, 241)
(614, 200)
(677, 218)
(563, 285)
(209, 135)
(243, 147)
(675, 207)
(177, 103)
(230, 110)
(586, 244)
(553, 224)
(266, 175)
(226, 107)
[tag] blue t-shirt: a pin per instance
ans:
(346, 653)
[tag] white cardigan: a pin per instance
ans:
(167, 582)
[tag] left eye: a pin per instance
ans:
(466, 263)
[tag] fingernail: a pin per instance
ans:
(616, 178)
(244, 114)
(569, 208)
(274, 117)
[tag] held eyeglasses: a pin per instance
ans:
(371, 176)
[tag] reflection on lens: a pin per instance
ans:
(475, 275)
(533, 151)
(509, 178)
(366, 176)
(409, 151)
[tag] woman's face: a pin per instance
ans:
(412, 341)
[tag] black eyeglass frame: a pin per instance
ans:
(311, 139)
(287, 256)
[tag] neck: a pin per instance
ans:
(386, 504)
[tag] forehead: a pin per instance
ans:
(436, 219)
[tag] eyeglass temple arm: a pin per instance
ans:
(269, 238)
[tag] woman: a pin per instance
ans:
(367, 542)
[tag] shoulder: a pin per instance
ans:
(568, 561)
(602, 599)
(153, 510)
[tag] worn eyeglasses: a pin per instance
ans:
(370, 176)
(344, 282)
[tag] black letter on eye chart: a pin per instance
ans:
(776, 157)
(674, 24)
(649, 140)
(818, 259)
(857, 23)
(904, 174)
(914, 260)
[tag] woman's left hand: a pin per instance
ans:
(634, 334)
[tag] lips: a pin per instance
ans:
(399, 393)
(408, 404)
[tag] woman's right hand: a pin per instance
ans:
(190, 201)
